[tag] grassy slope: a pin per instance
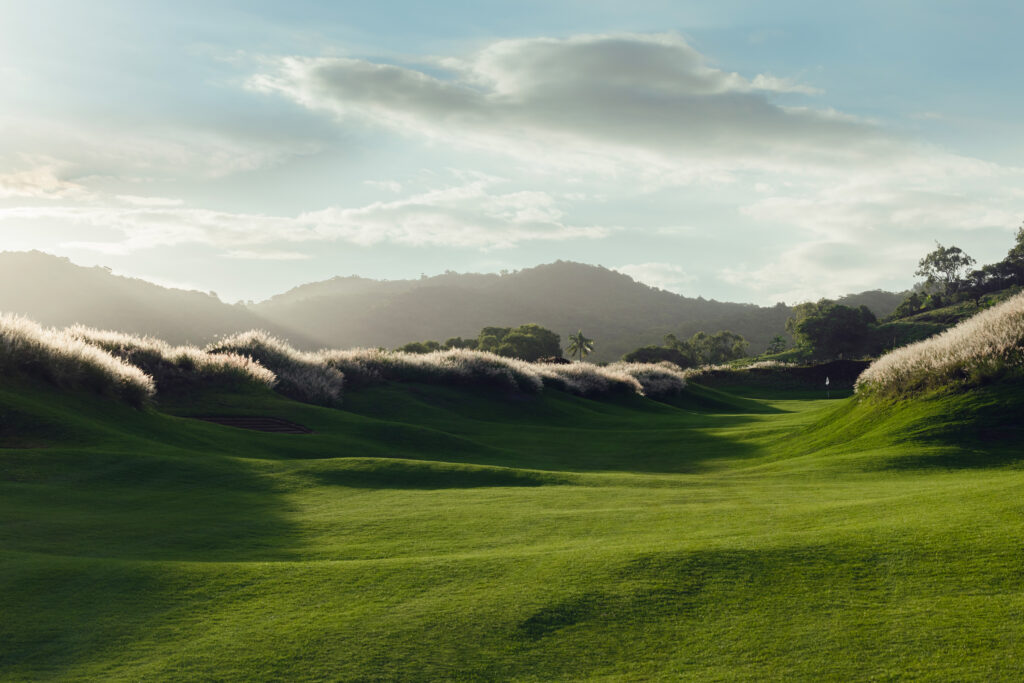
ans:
(423, 534)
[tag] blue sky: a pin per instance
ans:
(745, 151)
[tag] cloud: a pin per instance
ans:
(250, 255)
(811, 270)
(937, 193)
(389, 185)
(668, 276)
(136, 200)
(467, 216)
(617, 98)
(868, 228)
(470, 215)
(146, 151)
(43, 180)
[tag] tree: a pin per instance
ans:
(911, 305)
(778, 344)
(834, 330)
(579, 345)
(944, 267)
(659, 354)
(804, 311)
(419, 347)
(490, 338)
(720, 347)
(1016, 253)
(530, 342)
(725, 345)
(460, 343)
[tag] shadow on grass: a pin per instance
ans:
(99, 530)
(959, 460)
(404, 474)
(975, 429)
(701, 398)
(550, 432)
(115, 482)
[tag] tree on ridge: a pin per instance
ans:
(579, 345)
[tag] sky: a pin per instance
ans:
(742, 151)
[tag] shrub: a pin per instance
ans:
(177, 368)
(983, 348)
(57, 357)
(659, 380)
(303, 376)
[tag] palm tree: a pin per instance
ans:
(579, 345)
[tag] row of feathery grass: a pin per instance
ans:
(136, 369)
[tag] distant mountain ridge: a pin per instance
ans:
(618, 312)
(55, 292)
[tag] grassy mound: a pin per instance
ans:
(302, 376)
(178, 369)
(984, 348)
(29, 350)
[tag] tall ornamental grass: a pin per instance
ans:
(300, 375)
(177, 368)
(981, 349)
(27, 349)
(465, 367)
(144, 364)
(587, 379)
(658, 380)
(458, 367)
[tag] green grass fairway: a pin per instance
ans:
(426, 533)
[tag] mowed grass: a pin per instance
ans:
(425, 533)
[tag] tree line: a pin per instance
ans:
(825, 329)
(950, 279)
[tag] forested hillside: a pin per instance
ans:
(619, 313)
(614, 310)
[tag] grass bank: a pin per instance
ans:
(430, 532)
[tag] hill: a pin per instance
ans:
(56, 292)
(620, 313)
(343, 312)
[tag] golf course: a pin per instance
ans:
(429, 532)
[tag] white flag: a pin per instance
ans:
(826, 381)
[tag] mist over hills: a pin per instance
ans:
(610, 307)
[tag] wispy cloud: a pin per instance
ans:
(472, 215)
(252, 255)
(43, 179)
(145, 152)
(136, 200)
